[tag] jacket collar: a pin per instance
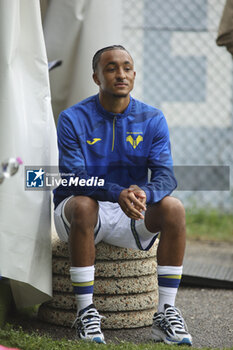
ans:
(110, 115)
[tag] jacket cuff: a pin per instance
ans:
(114, 192)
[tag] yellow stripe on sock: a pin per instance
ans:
(83, 284)
(171, 276)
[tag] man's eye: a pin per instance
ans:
(127, 69)
(110, 69)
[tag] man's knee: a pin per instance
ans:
(81, 210)
(168, 212)
(173, 208)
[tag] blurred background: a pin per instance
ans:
(181, 70)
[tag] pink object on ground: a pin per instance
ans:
(4, 348)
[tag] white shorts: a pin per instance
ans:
(113, 227)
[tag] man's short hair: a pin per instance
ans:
(97, 55)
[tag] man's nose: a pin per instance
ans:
(121, 73)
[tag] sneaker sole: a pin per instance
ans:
(159, 336)
(93, 340)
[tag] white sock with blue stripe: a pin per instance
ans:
(168, 280)
(83, 284)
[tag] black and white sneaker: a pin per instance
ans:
(88, 325)
(170, 327)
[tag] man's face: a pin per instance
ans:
(115, 73)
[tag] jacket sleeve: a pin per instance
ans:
(162, 180)
(72, 165)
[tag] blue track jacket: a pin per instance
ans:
(119, 148)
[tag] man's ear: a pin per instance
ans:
(95, 78)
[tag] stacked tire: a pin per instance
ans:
(125, 289)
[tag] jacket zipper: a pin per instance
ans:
(113, 133)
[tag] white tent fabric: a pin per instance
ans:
(27, 130)
(74, 30)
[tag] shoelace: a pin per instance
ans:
(172, 318)
(89, 322)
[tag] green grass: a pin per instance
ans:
(210, 225)
(19, 339)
